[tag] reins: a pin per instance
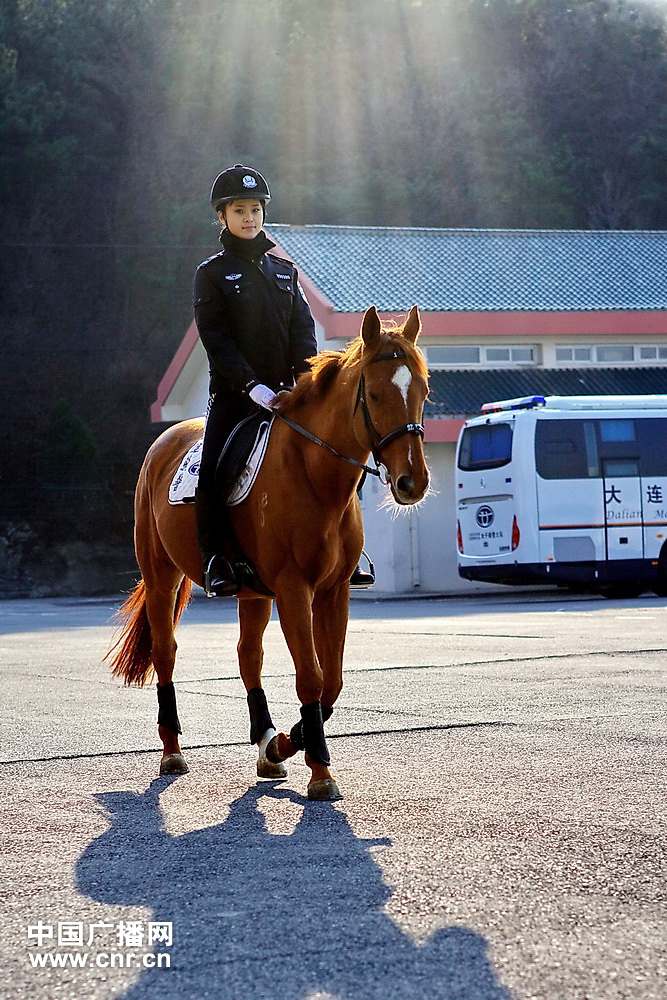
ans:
(376, 446)
(313, 437)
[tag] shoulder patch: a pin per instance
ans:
(216, 256)
(283, 261)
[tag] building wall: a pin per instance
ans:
(545, 350)
(414, 550)
(191, 396)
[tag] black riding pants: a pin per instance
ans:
(225, 410)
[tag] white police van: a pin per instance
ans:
(570, 490)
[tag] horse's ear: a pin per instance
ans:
(370, 326)
(413, 325)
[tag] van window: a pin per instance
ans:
(617, 430)
(653, 445)
(619, 467)
(487, 446)
(580, 449)
(562, 450)
(619, 448)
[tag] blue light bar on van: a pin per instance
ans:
(523, 403)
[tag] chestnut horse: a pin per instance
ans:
(301, 528)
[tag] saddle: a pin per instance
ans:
(236, 471)
(242, 456)
(238, 465)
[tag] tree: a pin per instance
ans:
(115, 115)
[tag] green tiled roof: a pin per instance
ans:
(480, 270)
(462, 393)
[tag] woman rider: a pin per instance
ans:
(258, 332)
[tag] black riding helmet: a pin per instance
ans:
(239, 182)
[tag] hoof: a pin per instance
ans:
(267, 769)
(325, 790)
(174, 763)
(279, 749)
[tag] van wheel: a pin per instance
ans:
(660, 585)
(622, 591)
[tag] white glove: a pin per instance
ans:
(262, 395)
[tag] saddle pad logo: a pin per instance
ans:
(184, 483)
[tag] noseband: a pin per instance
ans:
(376, 442)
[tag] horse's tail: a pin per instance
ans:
(132, 649)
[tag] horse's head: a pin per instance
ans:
(393, 387)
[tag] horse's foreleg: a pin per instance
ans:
(295, 608)
(160, 605)
(330, 614)
(254, 615)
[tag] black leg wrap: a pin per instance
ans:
(313, 733)
(166, 708)
(260, 720)
(296, 732)
(296, 735)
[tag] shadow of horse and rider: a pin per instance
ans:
(261, 916)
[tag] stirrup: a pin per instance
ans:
(361, 580)
(222, 583)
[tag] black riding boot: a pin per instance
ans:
(218, 577)
(361, 579)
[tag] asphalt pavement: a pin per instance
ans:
(501, 837)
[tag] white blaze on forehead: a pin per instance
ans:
(402, 379)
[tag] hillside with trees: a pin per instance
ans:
(115, 115)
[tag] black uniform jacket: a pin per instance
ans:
(253, 320)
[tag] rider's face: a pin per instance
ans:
(244, 218)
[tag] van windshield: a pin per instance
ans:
(487, 446)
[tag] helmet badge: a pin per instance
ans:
(249, 181)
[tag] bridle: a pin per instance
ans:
(376, 442)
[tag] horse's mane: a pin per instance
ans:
(326, 366)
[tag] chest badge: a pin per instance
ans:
(233, 277)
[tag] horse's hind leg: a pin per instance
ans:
(166, 593)
(254, 615)
(160, 607)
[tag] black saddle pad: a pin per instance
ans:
(236, 450)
